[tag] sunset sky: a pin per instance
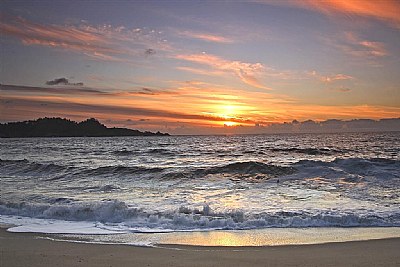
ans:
(187, 66)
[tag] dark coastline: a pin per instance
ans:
(58, 127)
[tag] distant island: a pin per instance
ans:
(58, 127)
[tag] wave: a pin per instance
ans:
(119, 170)
(119, 214)
(24, 166)
(54, 172)
(160, 151)
(102, 188)
(309, 151)
(351, 168)
(107, 211)
(248, 168)
(124, 152)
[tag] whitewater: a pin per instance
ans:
(174, 184)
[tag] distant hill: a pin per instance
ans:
(58, 127)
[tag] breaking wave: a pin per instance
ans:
(116, 213)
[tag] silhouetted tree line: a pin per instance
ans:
(58, 127)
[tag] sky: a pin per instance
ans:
(199, 66)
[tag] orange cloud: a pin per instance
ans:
(205, 37)
(345, 112)
(384, 10)
(245, 71)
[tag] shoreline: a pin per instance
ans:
(30, 249)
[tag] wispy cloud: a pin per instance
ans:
(245, 71)
(198, 71)
(339, 77)
(103, 42)
(356, 46)
(341, 89)
(384, 10)
(148, 92)
(329, 78)
(205, 36)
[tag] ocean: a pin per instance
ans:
(138, 188)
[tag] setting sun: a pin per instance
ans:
(229, 110)
(226, 111)
(230, 123)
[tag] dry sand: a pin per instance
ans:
(20, 249)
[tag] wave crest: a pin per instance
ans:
(352, 169)
(118, 213)
(309, 151)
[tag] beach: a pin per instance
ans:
(26, 249)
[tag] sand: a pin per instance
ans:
(25, 249)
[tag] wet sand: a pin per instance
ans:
(26, 249)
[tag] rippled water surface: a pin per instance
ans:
(187, 183)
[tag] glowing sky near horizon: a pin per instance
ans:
(168, 65)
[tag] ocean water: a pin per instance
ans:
(126, 185)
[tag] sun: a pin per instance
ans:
(228, 110)
(227, 113)
(230, 123)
